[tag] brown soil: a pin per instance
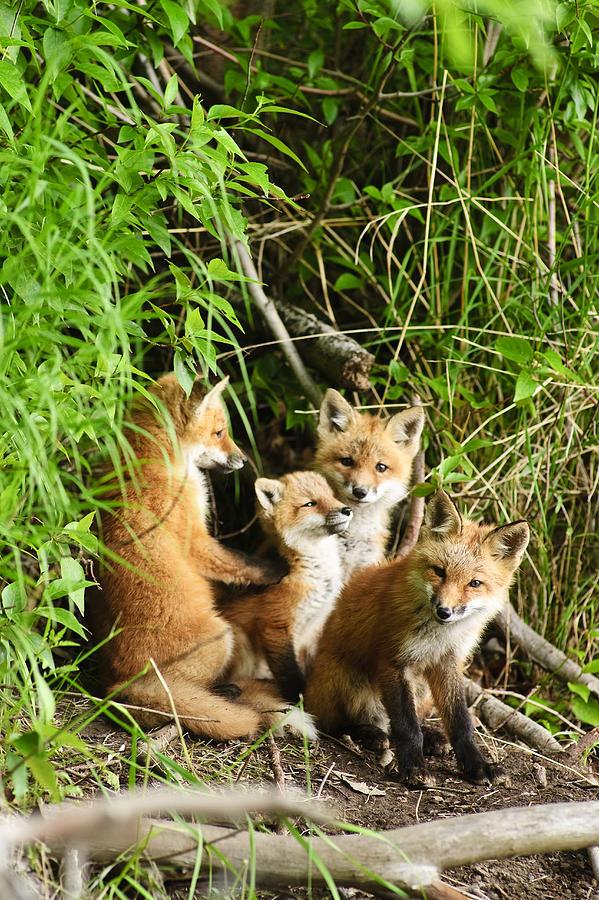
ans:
(361, 793)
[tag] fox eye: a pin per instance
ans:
(219, 434)
(309, 503)
(346, 461)
(475, 583)
(381, 467)
(439, 572)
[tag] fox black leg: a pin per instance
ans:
(406, 733)
(447, 686)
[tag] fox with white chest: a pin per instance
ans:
(413, 619)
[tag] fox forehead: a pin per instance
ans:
(372, 447)
(464, 557)
(301, 487)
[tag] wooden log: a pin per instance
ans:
(544, 653)
(496, 714)
(338, 357)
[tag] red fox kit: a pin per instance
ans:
(416, 617)
(303, 517)
(368, 463)
(158, 572)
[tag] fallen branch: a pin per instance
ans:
(410, 858)
(335, 355)
(117, 816)
(273, 320)
(544, 653)
(496, 714)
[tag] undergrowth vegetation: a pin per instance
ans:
(424, 180)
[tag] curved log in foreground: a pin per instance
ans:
(410, 858)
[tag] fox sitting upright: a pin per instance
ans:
(417, 617)
(157, 576)
(282, 622)
(368, 463)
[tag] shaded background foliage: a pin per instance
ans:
(423, 179)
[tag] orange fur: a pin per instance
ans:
(159, 567)
(367, 460)
(303, 517)
(415, 618)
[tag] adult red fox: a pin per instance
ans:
(159, 568)
(416, 617)
(367, 461)
(304, 519)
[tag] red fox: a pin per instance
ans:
(416, 617)
(368, 463)
(159, 568)
(302, 516)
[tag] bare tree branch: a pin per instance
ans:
(544, 653)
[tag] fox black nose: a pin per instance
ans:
(359, 493)
(345, 511)
(443, 613)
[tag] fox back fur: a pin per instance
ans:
(304, 519)
(155, 609)
(419, 617)
(367, 461)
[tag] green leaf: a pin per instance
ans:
(515, 348)
(315, 62)
(5, 124)
(194, 323)
(520, 77)
(18, 773)
(348, 282)
(177, 18)
(13, 83)
(279, 146)
(57, 50)
(13, 599)
(526, 386)
(183, 374)
(43, 772)
(587, 712)
(582, 690)
(171, 90)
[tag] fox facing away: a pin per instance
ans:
(368, 463)
(159, 568)
(304, 519)
(419, 617)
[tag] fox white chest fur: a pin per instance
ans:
(322, 576)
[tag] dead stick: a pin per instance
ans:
(274, 322)
(496, 714)
(410, 857)
(544, 653)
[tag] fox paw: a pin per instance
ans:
(370, 737)
(434, 742)
(413, 776)
(480, 771)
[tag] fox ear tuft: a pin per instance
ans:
(406, 427)
(509, 541)
(336, 413)
(269, 492)
(211, 398)
(442, 516)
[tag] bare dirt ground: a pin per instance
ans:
(361, 793)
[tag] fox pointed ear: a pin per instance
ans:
(406, 427)
(269, 492)
(442, 515)
(336, 413)
(508, 542)
(212, 397)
